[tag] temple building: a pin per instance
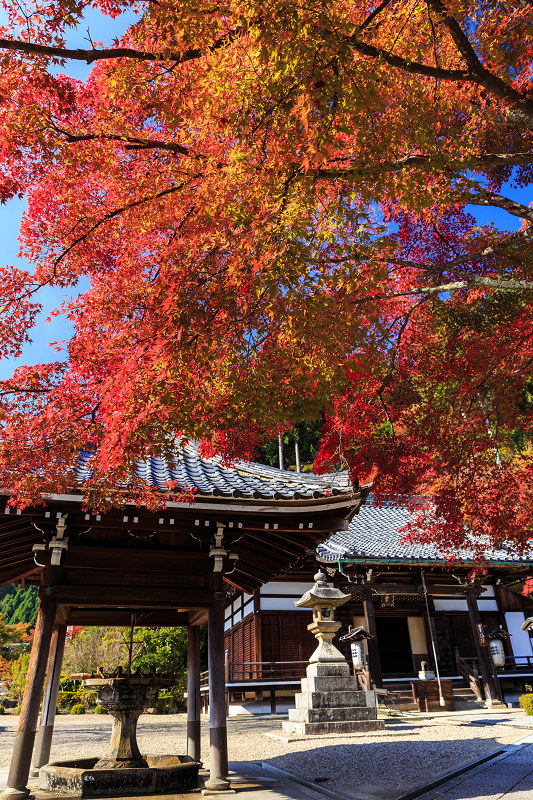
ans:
(238, 557)
(412, 600)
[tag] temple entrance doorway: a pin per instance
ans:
(394, 645)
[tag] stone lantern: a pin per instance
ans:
(323, 598)
(330, 700)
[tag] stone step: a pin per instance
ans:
(331, 714)
(350, 699)
(320, 728)
(330, 684)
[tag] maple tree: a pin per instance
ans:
(271, 201)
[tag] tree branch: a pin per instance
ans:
(486, 161)
(471, 282)
(475, 72)
(493, 200)
(110, 216)
(129, 142)
(413, 67)
(89, 56)
(483, 76)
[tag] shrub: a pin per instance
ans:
(79, 708)
(100, 710)
(2, 709)
(18, 709)
(66, 699)
(526, 702)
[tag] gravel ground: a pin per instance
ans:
(384, 764)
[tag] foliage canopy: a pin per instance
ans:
(271, 200)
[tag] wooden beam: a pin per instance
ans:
(130, 597)
(121, 617)
(399, 589)
(126, 560)
(197, 616)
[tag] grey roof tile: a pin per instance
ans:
(244, 480)
(374, 535)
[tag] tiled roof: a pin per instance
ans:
(374, 535)
(244, 480)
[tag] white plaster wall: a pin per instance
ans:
(457, 604)
(450, 605)
(520, 640)
(487, 605)
(248, 608)
(286, 587)
(280, 604)
(489, 591)
(417, 635)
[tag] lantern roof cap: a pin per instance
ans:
(322, 593)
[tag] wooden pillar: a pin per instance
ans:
(43, 741)
(490, 680)
(193, 692)
(218, 737)
(374, 662)
(273, 708)
(29, 714)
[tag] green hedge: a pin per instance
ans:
(79, 708)
(66, 700)
(100, 710)
(526, 702)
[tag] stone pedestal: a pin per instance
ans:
(125, 698)
(331, 702)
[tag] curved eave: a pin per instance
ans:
(429, 562)
(248, 505)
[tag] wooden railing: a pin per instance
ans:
(512, 664)
(517, 664)
(468, 669)
(265, 670)
(243, 671)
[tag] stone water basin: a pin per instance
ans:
(162, 775)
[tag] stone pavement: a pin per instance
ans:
(506, 777)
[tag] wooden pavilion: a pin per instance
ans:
(170, 567)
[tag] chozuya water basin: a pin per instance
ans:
(123, 770)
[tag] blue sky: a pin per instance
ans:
(105, 29)
(102, 29)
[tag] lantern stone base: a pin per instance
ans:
(331, 702)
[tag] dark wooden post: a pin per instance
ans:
(485, 662)
(193, 692)
(29, 714)
(43, 740)
(218, 737)
(374, 661)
